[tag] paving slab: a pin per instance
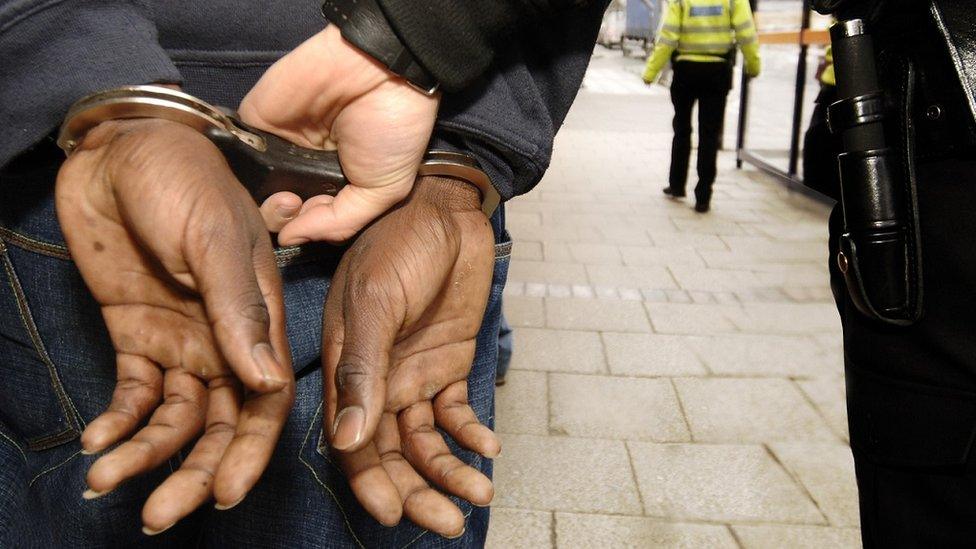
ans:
(827, 472)
(524, 311)
(596, 314)
(551, 350)
(555, 473)
(692, 318)
(616, 407)
(652, 255)
(519, 529)
(527, 250)
(547, 272)
(646, 276)
(787, 318)
(828, 395)
(749, 409)
(652, 355)
(718, 483)
(522, 404)
(766, 355)
(574, 530)
(797, 537)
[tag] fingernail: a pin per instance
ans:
(463, 530)
(298, 241)
(150, 532)
(264, 357)
(91, 494)
(348, 427)
(287, 212)
(222, 507)
(88, 452)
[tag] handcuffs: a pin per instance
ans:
(264, 163)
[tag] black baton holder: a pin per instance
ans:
(879, 250)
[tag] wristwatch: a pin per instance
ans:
(364, 25)
(263, 162)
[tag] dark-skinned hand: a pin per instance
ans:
(175, 252)
(401, 318)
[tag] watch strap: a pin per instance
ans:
(364, 25)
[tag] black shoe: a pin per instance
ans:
(670, 192)
(701, 207)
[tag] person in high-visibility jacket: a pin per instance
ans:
(700, 37)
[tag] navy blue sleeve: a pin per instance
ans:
(52, 52)
(508, 118)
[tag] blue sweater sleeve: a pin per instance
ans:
(53, 52)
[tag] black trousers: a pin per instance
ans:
(707, 84)
(911, 391)
(820, 148)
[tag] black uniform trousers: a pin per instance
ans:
(911, 391)
(708, 84)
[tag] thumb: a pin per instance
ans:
(226, 266)
(339, 219)
(372, 317)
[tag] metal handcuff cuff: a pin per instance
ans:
(264, 163)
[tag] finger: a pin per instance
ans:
(332, 336)
(221, 259)
(174, 423)
(453, 414)
(423, 505)
(262, 418)
(263, 415)
(373, 311)
(192, 484)
(426, 450)
(279, 209)
(339, 220)
(421, 375)
(316, 201)
(372, 485)
(138, 389)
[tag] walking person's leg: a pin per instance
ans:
(711, 111)
(684, 101)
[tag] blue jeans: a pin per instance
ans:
(58, 372)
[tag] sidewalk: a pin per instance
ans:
(677, 378)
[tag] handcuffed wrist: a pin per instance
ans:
(448, 192)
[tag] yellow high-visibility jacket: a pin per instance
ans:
(705, 31)
(828, 77)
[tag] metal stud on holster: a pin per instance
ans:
(878, 250)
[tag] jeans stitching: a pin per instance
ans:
(345, 518)
(67, 407)
(33, 245)
(291, 255)
(16, 445)
(53, 467)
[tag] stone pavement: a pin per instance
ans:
(677, 378)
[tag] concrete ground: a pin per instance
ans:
(677, 378)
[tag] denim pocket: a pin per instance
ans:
(33, 401)
(362, 529)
